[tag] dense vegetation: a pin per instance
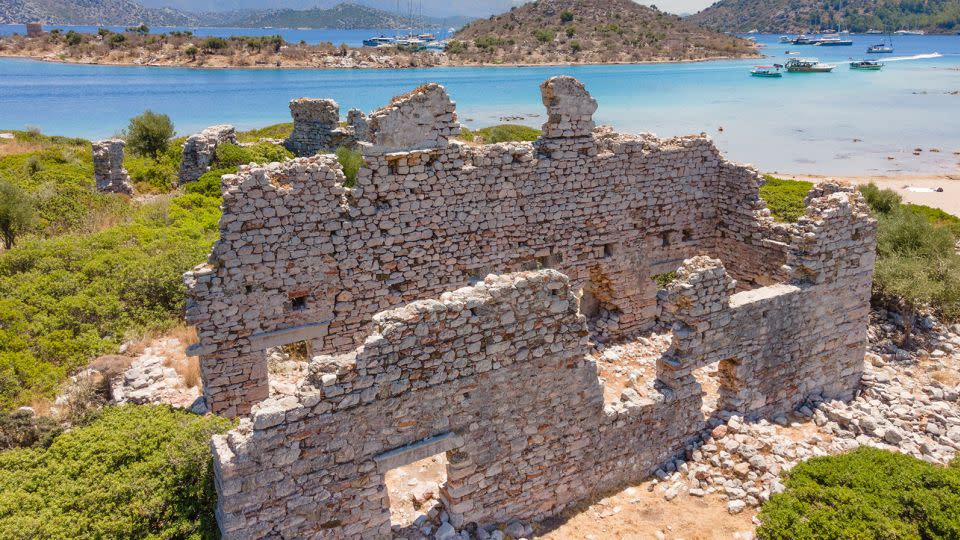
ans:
(785, 198)
(868, 493)
(917, 262)
(500, 133)
(589, 31)
(134, 472)
(794, 16)
(94, 269)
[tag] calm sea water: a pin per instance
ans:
(843, 123)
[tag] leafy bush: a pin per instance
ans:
(664, 280)
(230, 155)
(215, 44)
(73, 38)
(135, 472)
(149, 134)
(566, 16)
(276, 131)
(16, 213)
(24, 429)
(785, 198)
(351, 162)
(917, 263)
(545, 35)
(868, 493)
(507, 133)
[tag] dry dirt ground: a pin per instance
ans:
(913, 189)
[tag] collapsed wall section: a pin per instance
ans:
(200, 150)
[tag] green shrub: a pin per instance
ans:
(134, 472)
(545, 35)
(209, 182)
(351, 162)
(785, 198)
(566, 16)
(881, 201)
(230, 155)
(868, 493)
(17, 211)
(24, 429)
(937, 217)
(664, 280)
(117, 39)
(276, 131)
(73, 38)
(150, 175)
(215, 44)
(507, 133)
(149, 134)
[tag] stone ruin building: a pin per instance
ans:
(200, 150)
(450, 296)
(34, 29)
(316, 127)
(108, 169)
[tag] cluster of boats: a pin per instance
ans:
(811, 65)
(411, 42)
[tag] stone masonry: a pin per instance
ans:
(108, 169)
(200, 149)
(316, 127)
(543, 244)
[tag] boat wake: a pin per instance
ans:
(914, 57)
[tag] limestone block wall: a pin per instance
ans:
(302, 258)
(316, 127)
(200, 149)
(108, 169)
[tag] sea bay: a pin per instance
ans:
(841, 123)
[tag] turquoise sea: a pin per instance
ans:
(843, 123)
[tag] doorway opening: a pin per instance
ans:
(414, 492)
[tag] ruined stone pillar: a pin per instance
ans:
(423, 119)
(314, 123)
(200, 149)
(568, 131)
(108, 169)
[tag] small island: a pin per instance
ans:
(539, 33)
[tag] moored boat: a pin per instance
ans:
(867, 65)
(381, 41)
(880, 48)
(766, 71)
(833, 41)
(808, 65)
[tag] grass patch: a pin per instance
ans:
(499, 134)
(276, 131)
(664, 280)
(351, 162)
(785, 198)
(868, 493)
(134, 472)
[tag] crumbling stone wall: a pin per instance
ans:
(200, 149)
(108, 169)
(559, 239)
(301, 257)
(316, 127)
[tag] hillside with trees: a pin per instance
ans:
(101, 12)
(793, 16)
(589, 31)
(346, 16)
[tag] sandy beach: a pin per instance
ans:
(913, 189)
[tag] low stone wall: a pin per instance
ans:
(303, 258)
(108, 169)
(200, 149)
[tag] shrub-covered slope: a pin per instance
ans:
(589, 31)
(793, 16)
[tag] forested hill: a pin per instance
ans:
(792, 16)
(106, 12)
(589, 31)
(344, 16)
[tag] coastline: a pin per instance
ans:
(948, 200)
(86, 62)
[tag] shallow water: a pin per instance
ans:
(842, 123)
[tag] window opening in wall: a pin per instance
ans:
(414, 490)
(298, 303)
(709, 379)
(286, 365)
(687, 235)
(665, 239)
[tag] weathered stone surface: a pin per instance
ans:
(500, 370)
(200, 149)
(316, 127)
(108, 169)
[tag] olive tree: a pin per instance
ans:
(149, 134)
(16, 213)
